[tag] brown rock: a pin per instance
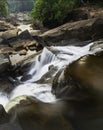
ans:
(4, 49)
(10, 34)
(78, 31)
(4, 26)
(4, 118)
(33, 114)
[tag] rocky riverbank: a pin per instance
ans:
(76, 81)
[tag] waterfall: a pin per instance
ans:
(57, 57)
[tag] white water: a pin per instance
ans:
(57, 56)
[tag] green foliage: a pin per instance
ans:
(53, 11)
(3, 8)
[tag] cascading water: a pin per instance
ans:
(57, 57)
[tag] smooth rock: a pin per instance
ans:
(86, 72)
(33, 114)
(79, 31)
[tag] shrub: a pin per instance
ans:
(3, 8)
(53, 12)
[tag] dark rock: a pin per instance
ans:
(6, 85)
(78, 14)
(97, 29)
(33, 114)
(97, 45)
(83, 75)
(23, 68)
(25, 35)
(4, 118)
(4, 63)
(81, 84)
(26, 77)
(10, 126)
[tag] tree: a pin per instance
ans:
(3, 8)
(53, 12)
(20, 5)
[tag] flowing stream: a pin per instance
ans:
(51, 58)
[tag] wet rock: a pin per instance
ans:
(1, 40)
(98, 45)
(80, 83)
(4, 118)
(4, 62)
(48, 77)
(10, 126)
(79, 31)
(84, 74)
(6, 85)
(33, 114)
(26, 77)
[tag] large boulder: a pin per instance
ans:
(73, 33)
(33, 114)
(86, 74)
(81, 84)
(10, 34)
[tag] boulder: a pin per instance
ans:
(81, 85)
(25, 35)
(86, 73)
(33, 114)
(72, 33)
(10, 34)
